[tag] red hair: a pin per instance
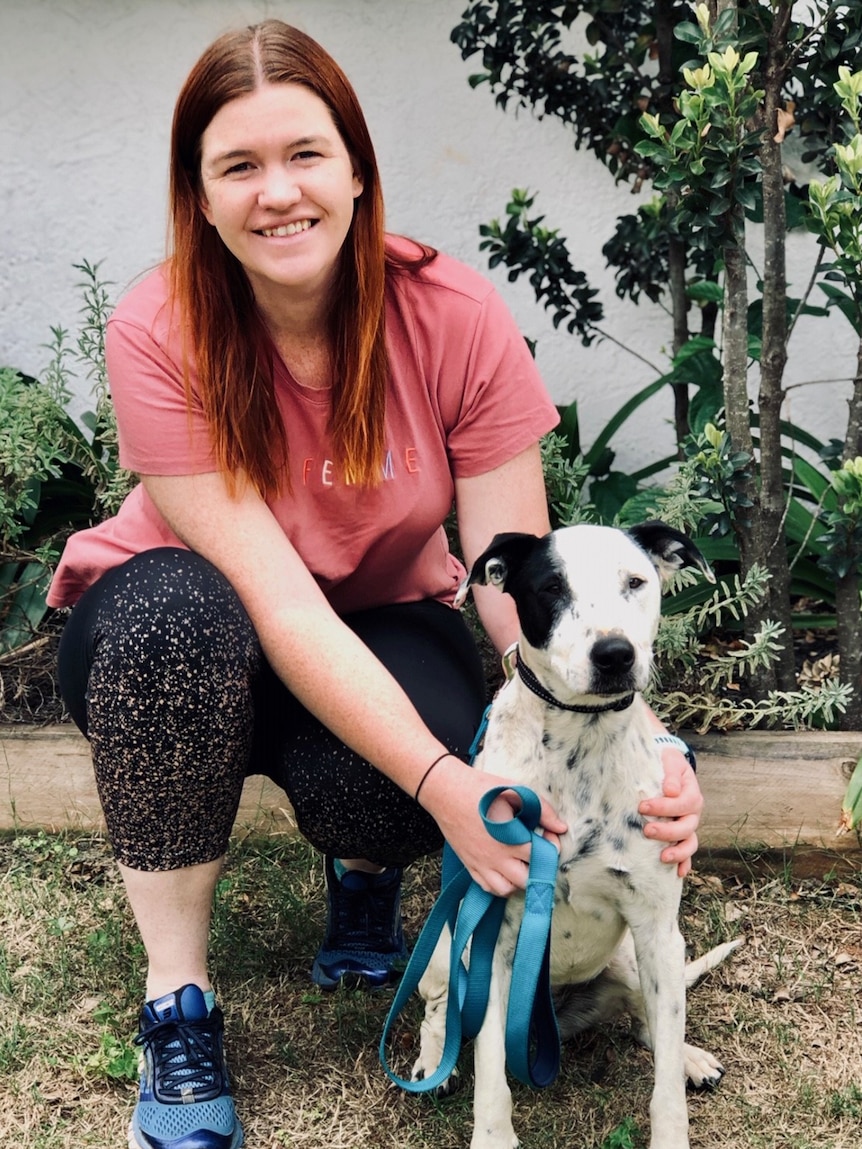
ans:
(222, 327)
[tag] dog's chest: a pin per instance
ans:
(594, 774)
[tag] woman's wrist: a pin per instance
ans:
(433, 766)
(663, 738)
(433, 788)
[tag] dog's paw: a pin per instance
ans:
(702, 1069)
(493, 1139)
(445, 1088)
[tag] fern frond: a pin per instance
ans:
(758, 654)
(564, 482)
(735, 599)
(794, 709)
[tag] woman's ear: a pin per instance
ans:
(204, 205)
(358, 182)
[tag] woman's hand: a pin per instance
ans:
(681, 802)
(452, 794)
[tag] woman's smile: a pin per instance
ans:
(287, 229)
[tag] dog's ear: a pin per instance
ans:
(494, 565)
(669, 549)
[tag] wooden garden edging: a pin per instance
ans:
(46, 780)
(764, 791)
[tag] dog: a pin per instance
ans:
(572, 725)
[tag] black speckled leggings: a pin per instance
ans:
(161, 668)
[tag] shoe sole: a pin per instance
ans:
(358, 980)
(352, 981)
(135, 1144)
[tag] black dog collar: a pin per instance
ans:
(532, 683)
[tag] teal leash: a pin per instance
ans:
(532, 1036)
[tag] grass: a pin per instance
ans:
(783, 1015)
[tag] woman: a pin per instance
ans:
(302, 398)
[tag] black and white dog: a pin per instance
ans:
(571, 724)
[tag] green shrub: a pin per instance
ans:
(55, 476)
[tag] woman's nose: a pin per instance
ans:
(280, 188)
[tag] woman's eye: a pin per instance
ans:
(306, 156)
(245, 166)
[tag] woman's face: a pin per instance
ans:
(278, 186)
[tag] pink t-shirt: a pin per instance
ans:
(464, 397)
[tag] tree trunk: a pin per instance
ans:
(849, 631)
(735, 328)
(847, 607)
(735, 373)
(677, 267)
(772, 550)
(676, 256)
(853, 437)
(747, 520)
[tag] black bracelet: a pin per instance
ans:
(428, 771)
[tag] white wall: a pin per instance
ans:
(86, 94)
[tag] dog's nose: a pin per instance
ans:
(613, 654)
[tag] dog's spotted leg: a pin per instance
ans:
(492, 1099)
(621, 986)
(434, 989)
(661, 966)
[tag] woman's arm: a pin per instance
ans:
(509, 498)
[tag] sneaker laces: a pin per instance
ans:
(364, 911)
(186, 1058)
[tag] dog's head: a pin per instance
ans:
(588, 598)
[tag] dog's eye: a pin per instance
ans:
(553, 586)
(635, 582)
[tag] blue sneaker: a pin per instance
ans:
(364, 942)
(184, 1100)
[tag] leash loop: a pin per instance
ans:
(474, 918)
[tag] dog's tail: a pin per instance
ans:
(695, 970)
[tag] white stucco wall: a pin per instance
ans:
(86, 94)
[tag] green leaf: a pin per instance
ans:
(654, 150)
(801, 526)
(851, 807)
(693, 346)
(816, 482)
(610, 493)
(845, 304)
(678, 134)
(706, 291)
(704, 405)
(688, 33)
(725, 24)
(23, 605)
(796, 433)
(807, 580)
(746, 194)
(569, 428)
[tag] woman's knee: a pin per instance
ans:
(166, 623)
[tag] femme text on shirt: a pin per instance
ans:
(326, 474)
